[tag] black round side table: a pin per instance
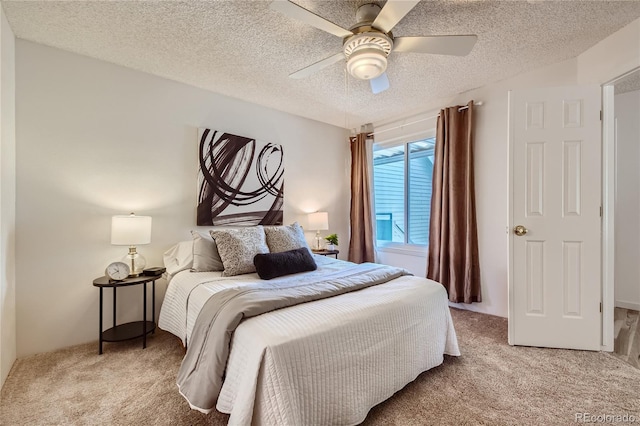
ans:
(130, 330)
(333, 253)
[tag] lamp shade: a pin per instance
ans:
(318, 221)
(130, 230)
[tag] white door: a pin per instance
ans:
(555, 186)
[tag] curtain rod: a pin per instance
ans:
(479, 103)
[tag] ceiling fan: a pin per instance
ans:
(367, 44)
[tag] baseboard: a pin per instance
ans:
(628, 305)
(476, 307)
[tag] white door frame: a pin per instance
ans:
(608, 209)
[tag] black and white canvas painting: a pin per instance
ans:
(240, 180)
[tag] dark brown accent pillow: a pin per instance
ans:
(272, 265)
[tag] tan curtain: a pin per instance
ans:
(361, 244)
(453, 239)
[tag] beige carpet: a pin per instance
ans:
(492, 383)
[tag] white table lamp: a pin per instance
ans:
(318, 221)
(131, 230)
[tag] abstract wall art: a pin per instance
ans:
(240, 180)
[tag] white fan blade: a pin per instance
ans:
(392, 12)
(457, 45)
(380, 83)
(294, 11)
(312, 69)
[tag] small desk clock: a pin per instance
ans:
(117, 271)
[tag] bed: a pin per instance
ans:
(324, 362)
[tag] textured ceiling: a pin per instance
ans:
(245, 50)
(628, 83)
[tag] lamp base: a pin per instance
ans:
(136, 262)
(318, 241)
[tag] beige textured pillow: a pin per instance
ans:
(205, 254)
(237, 248)
(285, 238)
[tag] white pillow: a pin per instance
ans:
(205, 254)
(238, 247)
(179, 257)
(285, 238)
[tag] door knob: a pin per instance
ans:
(520, 230)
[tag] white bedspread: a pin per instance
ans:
(324, 362)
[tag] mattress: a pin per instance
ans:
(323, 362)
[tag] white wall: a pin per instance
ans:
(611, 57)
(7, 199)
(627, 208)
(96, 139)
(491, 175)
(413, 259)
(608, 59)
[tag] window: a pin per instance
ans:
(402, 187)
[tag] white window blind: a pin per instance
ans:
(400, 132)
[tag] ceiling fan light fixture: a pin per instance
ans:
(365, 64)
(367, 53)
